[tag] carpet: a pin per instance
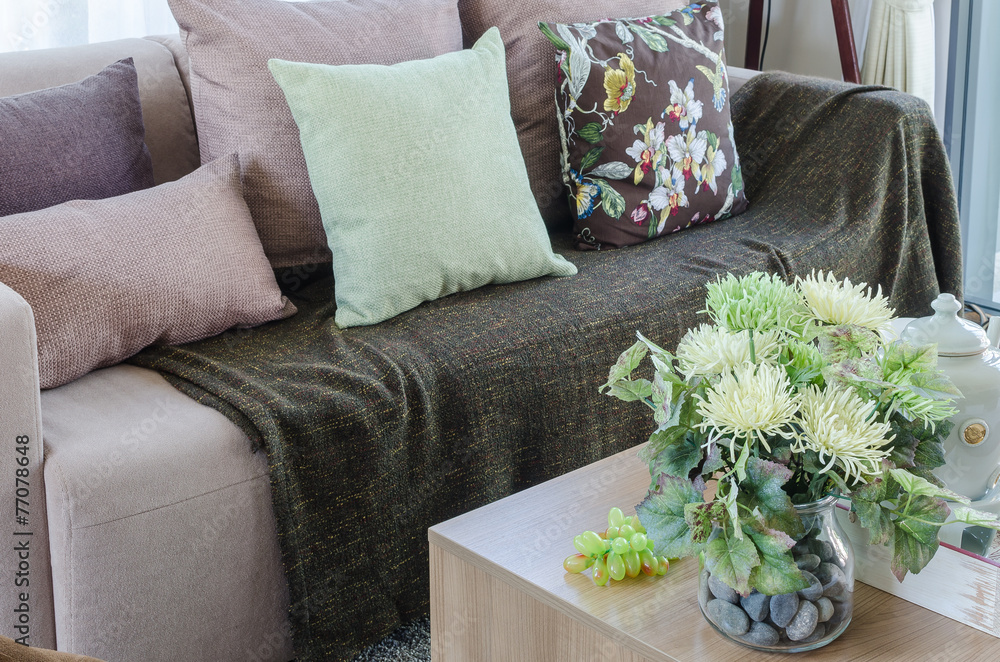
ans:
(408, 643)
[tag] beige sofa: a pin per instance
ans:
(152, 534)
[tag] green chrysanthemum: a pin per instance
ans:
(840, 302)
(712, 350)
(756, 301)
(839, 426)
(750, 402)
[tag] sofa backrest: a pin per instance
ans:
(170, 132)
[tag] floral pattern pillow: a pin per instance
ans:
(647, 140)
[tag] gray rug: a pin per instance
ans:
(409, 643)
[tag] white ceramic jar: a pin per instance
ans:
(972, 450)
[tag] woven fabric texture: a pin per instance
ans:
(170, 264)
(394, 427)
(82, 141)
(416, 243)
(239, 108)
(532, 74)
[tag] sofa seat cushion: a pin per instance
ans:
(157, 506)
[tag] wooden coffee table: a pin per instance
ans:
(498, 591)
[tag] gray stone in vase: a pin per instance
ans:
(804, 623)
(824, 550)
(808, 562)
(783, 608)
(731, 619)
(833, 579)
(756, 605)
(815, 588)
(825, 609)
(722, 591)
(817, 634)
(761, 634)
(841, 612)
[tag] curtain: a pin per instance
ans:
(31, 24)
(899, 50)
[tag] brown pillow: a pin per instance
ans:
(532, 78)
(170, 264)
(239, 108)
(648, 141)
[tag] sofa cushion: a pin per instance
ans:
(160, 515)
(239, 108)
(648, 142)
(78, 141)
(417, 241)
(170, 134)
(170, 264)
(533, 78)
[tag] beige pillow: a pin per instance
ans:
(169, 264)
(531, 72)
(239, 108)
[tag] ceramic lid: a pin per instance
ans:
(954, 336)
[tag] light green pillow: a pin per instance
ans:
(419, 177)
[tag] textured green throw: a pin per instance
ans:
(375, 433)
(419, 178)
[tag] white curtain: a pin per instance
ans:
(899, 50)
(31, 24)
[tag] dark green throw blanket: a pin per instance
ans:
(375, 433)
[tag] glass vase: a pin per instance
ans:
(792, 622)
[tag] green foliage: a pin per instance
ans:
(655, 41)
(916, 534)
(662, 513)
(866, 501)
(612, 200)
(732, 559)
(590, 158)
(777, 572)
(591, 132)
(762, 490)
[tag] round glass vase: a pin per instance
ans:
(792, 622)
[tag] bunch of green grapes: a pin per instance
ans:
(623, 550)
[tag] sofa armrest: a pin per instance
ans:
(26, 580)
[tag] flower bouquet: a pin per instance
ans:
(792, 395)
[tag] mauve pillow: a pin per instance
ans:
(170, 264)
(82, 141)
(532, 77)
(239, 108)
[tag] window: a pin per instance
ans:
(31, 24)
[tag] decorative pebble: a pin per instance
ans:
(825, 609)
(761, 634)
(704, 595)
(833, 578)
(815, 589)
(722, 591)
(823, 549)
(730, 618)
(756, 605)
(783, 608)
(808, 562)
(841, 612)
(817, 634)
(804, 622)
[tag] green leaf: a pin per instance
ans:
(627, 361)
(679, 458)
(630, 391)
(927, 442)
(762, 489)
(917, 486)
(713, 460)
(713, 140)
(612, 170)
(975, 517)
(656, 42)
(662, 513)
(737, 176)
(553, 37)
(934, 385)
(659, 442)
(700, 518)
(867, 504)
(900, 356)
(590, 158)
(591, 133)
(613, 202)
(664, 21)
(916, 535)
(777, 572)
(732, 560)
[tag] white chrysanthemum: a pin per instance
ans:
(836, 302)
(750, 402)
(838, 425)
(712, 350)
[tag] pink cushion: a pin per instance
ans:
(170, 264)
